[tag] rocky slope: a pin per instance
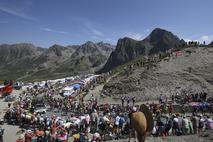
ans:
(128, 49)
(27, 62)
(191, 72)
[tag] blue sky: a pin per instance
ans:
(68, 22)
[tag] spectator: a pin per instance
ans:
(185, 126)
(201, 126)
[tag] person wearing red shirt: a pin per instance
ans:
(170, 108)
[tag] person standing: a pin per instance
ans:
(195, 123)
(173, 99)
(170, 108)
(121, 123)
(116, 125)
(183, 109)
(128, 100)
(209, 123)
(185, 126)
(9, 105)
(175, 128)
(165, 109)
(161, 99)
(133, 100)
(122, 101)
(168, 125)
(201, 126)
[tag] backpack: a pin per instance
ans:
(121, 121)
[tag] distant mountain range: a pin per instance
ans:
(128, 49)
(27, 62)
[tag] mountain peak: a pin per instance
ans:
(102, 43)
(56, 46)
(159, 30)
(57, 49)
(57, 60)
(128, 49)
(89, 43)
(19, 45)
(158, 34)
(126, 39)
(14, 51)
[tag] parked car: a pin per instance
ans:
(40, 108)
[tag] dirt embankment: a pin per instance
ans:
(191, 72)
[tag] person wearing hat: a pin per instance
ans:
(20, 138)
(28, 136)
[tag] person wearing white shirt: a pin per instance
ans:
(117, 119)
(185, 125)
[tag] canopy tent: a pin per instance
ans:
(76, 86)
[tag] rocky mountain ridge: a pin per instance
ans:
(25, 61)
(128, 49)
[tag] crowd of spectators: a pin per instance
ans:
(82, 120)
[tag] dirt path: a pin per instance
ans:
(9, 130)
(97, 90)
